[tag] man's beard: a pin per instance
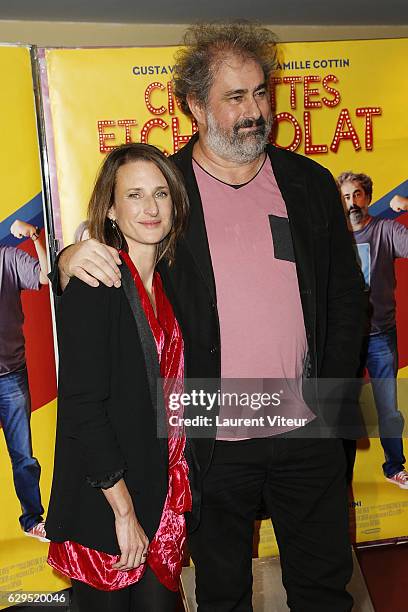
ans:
(237, 146)
(355, 215)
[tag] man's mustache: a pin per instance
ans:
(248, 123)
(353, 208)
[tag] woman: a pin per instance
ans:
(120, 487)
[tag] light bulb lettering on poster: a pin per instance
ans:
(304, 98)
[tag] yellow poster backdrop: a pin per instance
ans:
(341, 103)
(23, 560)
(100, 98)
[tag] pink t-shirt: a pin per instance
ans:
(261, 320)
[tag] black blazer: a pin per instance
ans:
(330, 285)
(109, 409)
(330, 281)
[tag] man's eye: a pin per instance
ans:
(261, 93)
(236, 98)
(134, 195)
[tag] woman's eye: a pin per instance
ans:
(161, 194)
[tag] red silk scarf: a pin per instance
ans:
(165, 553)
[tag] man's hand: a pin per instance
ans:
(399, 203)
(21, 229)
(91, 261)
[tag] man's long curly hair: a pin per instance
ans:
(207, 45)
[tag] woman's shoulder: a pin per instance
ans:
(79, 293)
(77, 286)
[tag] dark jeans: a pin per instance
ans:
(301, 483)
(15, 415)
(147, 595)
(381, 360)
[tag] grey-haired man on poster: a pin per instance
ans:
(379, 242)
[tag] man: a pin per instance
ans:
(379, 242)
(19, 271)
(265, 285)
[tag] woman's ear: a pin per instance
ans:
(111, 214)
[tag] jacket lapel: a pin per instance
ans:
(150, 355)
(293, 187)
(195, 237)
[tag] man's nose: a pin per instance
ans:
(252, 110)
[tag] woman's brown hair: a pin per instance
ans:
(102, 197)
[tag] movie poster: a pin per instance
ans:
(22, 559)
(340, 103)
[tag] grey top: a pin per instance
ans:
(378, 244)
(18, 271)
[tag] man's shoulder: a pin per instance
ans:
(7, 252)
(383, 230)
(185, 154)
(18, 265)
(13, 255)
(392, 223)
(296, 161)
(387, 226)
(393, 229)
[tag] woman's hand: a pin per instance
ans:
(133, 542)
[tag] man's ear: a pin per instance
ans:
(196, 109)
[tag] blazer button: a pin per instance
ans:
(213, 349)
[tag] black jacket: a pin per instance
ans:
(331, 291)
(330, 281)
(109, 408)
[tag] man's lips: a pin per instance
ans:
(251, 128)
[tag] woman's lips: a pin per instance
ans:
(150, 224)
